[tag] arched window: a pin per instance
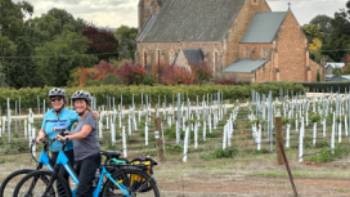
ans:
(171, 56)
(217, 64)
(145, 60)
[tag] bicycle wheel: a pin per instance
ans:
(8, 185)
(42, 183)
(135, 179)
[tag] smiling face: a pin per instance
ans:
(57, 102)
(80, 106)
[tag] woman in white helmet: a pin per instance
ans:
(55, 119)
(86, 144)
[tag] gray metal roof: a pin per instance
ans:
(335, 64)
(192, 20)
(194, 56)
(264, 27)
(245, 66)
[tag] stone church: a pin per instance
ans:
(238, 39)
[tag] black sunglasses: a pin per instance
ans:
(56, 99)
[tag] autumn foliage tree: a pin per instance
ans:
(99, 72)
(173, 75)
(101, 42)
(131, 73)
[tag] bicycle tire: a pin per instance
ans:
(125, 174)
(45, 176)
(12, 176)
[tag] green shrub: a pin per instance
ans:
(228, 153)
(174, 148)
(326, 155)
(314, 117)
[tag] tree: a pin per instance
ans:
(324, 24)
(11, 17)
(315, 39)
(16, 70)
(21, 72)
(126, 37)
(132, 74)
(329, 37)
(101, 42)
(339, 38)
(174, 75)
(337, 72)
(55, 22)
(55, 59)
(7, 50)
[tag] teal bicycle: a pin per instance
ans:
(116, 179)
(42, 161)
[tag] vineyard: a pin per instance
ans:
(213, 137)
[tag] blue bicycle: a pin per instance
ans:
(42, 161)
(116, 178)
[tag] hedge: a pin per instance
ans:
(29, 96)
(330, 86)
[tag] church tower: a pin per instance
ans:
(146, 9)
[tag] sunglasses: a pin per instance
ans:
(55, 99)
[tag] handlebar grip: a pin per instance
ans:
(62, 132)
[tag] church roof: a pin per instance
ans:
(264, 27)
(191, 20)
(245, 66)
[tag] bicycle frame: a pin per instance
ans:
(63, 161)
(105, 173)
(45, 160)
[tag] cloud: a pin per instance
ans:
(306, 10)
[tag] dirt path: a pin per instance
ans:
(256, 187)
(226, 178)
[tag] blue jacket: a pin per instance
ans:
(64, 120)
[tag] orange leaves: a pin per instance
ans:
(173, 75)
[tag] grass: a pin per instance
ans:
(326, 155)
(303, 173)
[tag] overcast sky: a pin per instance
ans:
(113, 13)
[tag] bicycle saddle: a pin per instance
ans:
(111, 154)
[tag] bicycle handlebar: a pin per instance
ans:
(33, 143)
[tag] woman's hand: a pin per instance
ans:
(61, 138)
(41, 136)
(39, 139)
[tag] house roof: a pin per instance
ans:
(194, 56)
(245, 66)
(264, 27)
(334, 64)
(192, 20)
(339, 78)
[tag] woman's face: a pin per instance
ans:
(57, 102)
(80, 106)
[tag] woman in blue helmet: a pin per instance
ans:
(56, 119)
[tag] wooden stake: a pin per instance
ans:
(279, 139)
(159, 140)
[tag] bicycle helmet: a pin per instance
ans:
(81, 94)
(56, 92)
